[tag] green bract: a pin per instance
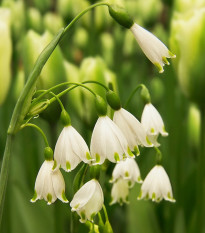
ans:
(113, 100)
(48, 153)
(101, 106)
(121, 16)
(65, 118)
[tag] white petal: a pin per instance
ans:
(108, 141)
(131, 128)
(97, 145)
(83, 195)
(120, 192)
(152, 47)
(128, 170)
(59, 185)
(157, 185)
(69, 149)
(152, 123)
(88, 200)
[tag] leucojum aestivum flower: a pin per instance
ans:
(116, 138)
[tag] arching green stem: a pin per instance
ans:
(39, 130)
(96, 82)
(83, 12)
(134, 91)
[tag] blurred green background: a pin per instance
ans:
(97, 48)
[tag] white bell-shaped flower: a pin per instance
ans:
(88, 200)
(156, 186)
(153, 123)
(108, 142)
(120, 192)
(127, 170)
(152, 47)
(70, 150)
(132, 129)
(49, 184)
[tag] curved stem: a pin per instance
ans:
(82, 13)
(133, 93)
(105, 213)
(69, 89)
(96, 82)
(59, 101)
(40, 131)
(63, 92)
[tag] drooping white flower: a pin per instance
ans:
(127, 170)
(156, 186)
(88, 200)
(70, 149)
(152, 47)
(108, 141)
(153, 123)
(120, 192)
(49, 184)
(132, 129)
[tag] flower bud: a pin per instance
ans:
(34, 20)
(74, 96)
(91, 69)
(53, 22)
(53, 72)
(38, 107)
(194, 123)
(6, 50)
(43, 6)
(120, 15)
(17, 9)
(191, 55)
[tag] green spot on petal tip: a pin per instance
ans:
(172, 55)
(127, 174)
(159, 67)
(116, 157)
(49, 198)
(136, 150)
(64, 197)
(68, 166)
(88, 157)
(97, 158)
(54, 165)
(164, 59)
(34, 196)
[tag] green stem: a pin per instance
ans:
(5, 171)
(63, 92)
(83, 12)
(40, 131)
(105, 213)
(158, 155)
(133, 93)
(96, 82)
(71, 88)
(59, 101)
(24, 102)
(200, 226)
